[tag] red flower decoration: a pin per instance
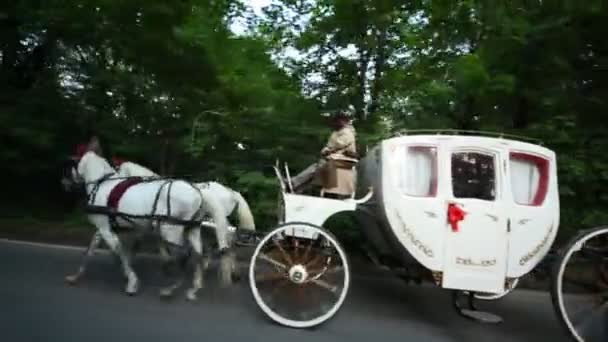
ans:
(455, 215)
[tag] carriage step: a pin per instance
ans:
(481, 316)
(471, 312)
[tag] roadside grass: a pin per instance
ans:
(44, 225)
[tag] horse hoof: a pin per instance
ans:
(132, 288)
(191, 296)
(226, 283)
(72, 279)
(166, 293)
(132, 292)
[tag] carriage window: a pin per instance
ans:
(419, 171)
(473, 176)
(529, 178)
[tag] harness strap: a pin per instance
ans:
(113, 213)
(93, 194)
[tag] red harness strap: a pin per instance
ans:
(119, 190)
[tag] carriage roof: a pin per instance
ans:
(481, 140)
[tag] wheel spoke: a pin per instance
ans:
(325, 271)
(314, 261)
(270, 277)
(331, 288)
(296, 246)
(307, 252)
(272, 261)
(283, 253)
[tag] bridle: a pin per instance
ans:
(96, 183)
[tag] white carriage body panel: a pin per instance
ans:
(533, 228)
(314, 210)
(416, 221)
(501, 236)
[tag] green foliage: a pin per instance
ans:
(170, 86)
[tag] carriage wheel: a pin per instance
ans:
(299, 282)
(579, 288)
(495, 296)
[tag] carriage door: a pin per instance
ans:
(476, 242)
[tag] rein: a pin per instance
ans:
(91, 196)
(107, 176)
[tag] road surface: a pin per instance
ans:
(36, 305)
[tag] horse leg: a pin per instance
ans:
(112, 240)
(227, 264)
(72, 279)
(235, 273)
(214, 209)
(135, 245)
(227, 267)
(169, 290)
(194, 238)
(165, 258)
(170, 256)
(206, 257)
(172, 250)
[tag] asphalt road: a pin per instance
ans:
(36, 305)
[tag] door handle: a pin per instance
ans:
(493, 217)
(430, 213)
(524, 221)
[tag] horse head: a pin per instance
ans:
(70, 180)
(84, 166)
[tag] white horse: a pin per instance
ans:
(131, 169)
(229, 199)
(187, 204)
(224, 201)
(221, 202)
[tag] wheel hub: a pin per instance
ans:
(298, 274)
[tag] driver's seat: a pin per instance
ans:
(338, 178)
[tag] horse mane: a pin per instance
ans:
(85, 162)
(127, 167)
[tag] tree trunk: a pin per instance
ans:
(379, 64)
(463, 118)
(520, 117)
(171, 158)
(359, 102)
(163, 157)
(9, 45)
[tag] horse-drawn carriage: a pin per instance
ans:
(471, 214)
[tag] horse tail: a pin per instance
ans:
(246, 220)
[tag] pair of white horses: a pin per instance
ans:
(183, 201)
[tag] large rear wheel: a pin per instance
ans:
(579, 288)
(299, 275)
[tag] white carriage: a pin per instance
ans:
(472, 214)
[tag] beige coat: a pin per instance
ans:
(341, 144)
(339, 177)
